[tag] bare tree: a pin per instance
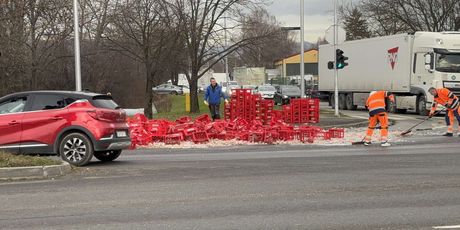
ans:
(395, 16)
(144, 31)
(202, 28)
(265, 51)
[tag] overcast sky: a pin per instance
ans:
(318, 15)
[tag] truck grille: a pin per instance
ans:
(453, 86)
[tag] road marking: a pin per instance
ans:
(447, 227)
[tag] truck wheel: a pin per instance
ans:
(332, 101)
(349, 102)
(342, 102)
(421, 105)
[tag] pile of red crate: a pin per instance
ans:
(202, 129)
(251, 107)
(301, 111)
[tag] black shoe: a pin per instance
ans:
(448, 134)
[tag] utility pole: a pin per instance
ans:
(302, 50)
(76, 46)
(227, 77)
(336, 73)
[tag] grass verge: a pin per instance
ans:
(12, 160)
(178, 108)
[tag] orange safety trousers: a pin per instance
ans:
(381, 118)
(451, 114)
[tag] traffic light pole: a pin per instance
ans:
(336, 73)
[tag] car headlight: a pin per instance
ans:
(285, 96)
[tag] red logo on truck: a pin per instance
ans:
(393, 56)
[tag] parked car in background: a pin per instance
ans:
(285, 93)
(74, 125)
(185, 89)
(228, 86)
(266, 91)
(253, 88)
(168, 89)
(202, 88)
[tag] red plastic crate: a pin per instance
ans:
(173, 139)
(337, 133)
(200, 137)
(257, 136)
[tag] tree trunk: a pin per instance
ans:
(174, 78)
(457, 24)
(194, 105)
(149, 94)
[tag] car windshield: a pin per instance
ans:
(232, 83)
(266, 88)
(448, 63)
(290, 90)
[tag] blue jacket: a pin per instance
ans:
(213, 95)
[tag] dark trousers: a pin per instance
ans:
(215, 111)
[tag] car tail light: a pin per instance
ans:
(108, 115)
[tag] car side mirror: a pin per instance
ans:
(429, 63)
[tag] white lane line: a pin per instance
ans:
(447, 227)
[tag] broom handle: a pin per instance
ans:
(426, 119)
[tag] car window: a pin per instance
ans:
(15, 105)
(47, 102)
(266, 88)
(105, 102)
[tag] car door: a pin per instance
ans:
(162, 89)
(11, 114)
(46, 117)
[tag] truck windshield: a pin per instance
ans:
(448, 63)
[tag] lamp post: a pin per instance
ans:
(76, 46)
(302, 50)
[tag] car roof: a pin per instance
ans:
(83, 94)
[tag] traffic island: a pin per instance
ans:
(20, 167)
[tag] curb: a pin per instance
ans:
(34, 172)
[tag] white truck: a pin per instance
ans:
(406, 64)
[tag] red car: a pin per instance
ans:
(74, 125)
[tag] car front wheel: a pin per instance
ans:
(106, 156)
(76, 148)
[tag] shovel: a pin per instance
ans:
(421, 122)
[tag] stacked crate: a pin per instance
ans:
(301, 111)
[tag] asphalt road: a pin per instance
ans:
(412, 185)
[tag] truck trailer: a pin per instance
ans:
(405, 64)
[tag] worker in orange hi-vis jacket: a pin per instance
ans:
(446, 98)
(376, 103)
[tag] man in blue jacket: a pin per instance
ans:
(212, 98)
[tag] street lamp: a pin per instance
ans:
(302, 49)
(76, 46)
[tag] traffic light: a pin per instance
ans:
(340, 61)
(330, 65)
